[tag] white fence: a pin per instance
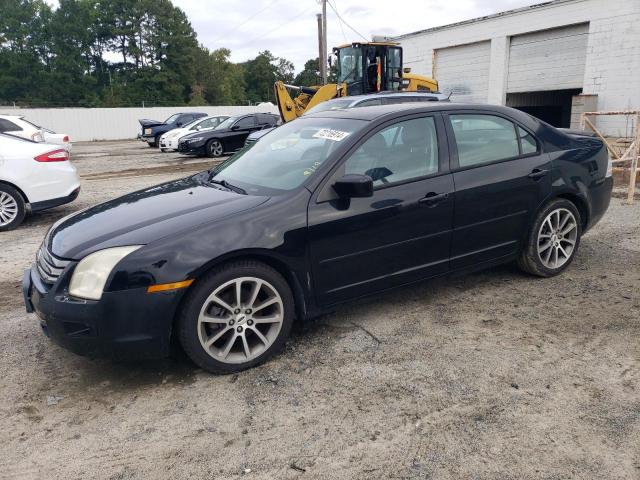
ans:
(87, 124)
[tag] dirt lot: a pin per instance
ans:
(484, 376)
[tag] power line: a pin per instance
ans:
(246, 20)
(335, 9)
(286, 22)
(343, 20)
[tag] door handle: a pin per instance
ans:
(537, 173)
(432, 198)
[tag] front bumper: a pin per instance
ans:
(191, 148)
(127, 324)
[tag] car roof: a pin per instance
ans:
(379, 111)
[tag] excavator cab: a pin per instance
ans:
(363, 68)
(369, 67)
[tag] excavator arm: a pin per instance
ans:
(307, 97)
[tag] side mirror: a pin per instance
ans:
(198, 128)
(235, 127)
(179, 124)
(354, 185)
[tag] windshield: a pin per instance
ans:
(172, 118)
(350, 65)
(329, 105)
(227, 123)
(287, 156)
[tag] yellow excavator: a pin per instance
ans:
(362, 68)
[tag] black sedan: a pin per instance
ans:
(227, 137)
(326, 209)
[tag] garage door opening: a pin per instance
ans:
(553, 106)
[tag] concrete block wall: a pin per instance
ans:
(612, 69)
(88, 124)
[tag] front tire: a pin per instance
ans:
(12, 208)
(553, 240)
(214, 148)
(237, 316)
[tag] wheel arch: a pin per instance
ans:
(581, 205)
(20, 191)
(263, 256)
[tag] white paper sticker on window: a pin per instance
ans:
(328, 134)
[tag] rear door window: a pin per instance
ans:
(8, 126)
(482, 138)
(246, 122)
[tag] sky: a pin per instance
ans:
(288, 28)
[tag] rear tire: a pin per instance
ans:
(12, 208)
(553, 240)
(236, 317)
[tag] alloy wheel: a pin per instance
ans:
(8, 209)
(557, 238)
(216, 148)
(240, 320)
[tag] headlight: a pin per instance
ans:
(195, 139)
(147, 131)
(90, 275)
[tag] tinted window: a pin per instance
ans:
(527, 142)
(246, 122)
(397, 153)
(172, 118)
(7, 126)
(483, 138)
(186, 119)
(265, 119)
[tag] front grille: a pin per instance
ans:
(49, 267)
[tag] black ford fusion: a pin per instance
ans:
(331, 207)
(227, 137)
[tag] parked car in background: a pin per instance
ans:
(325, 209)
(382, 98)
(169, 140)
(33, 176)
(19, 126)
(54, 138)
(227, 137)
(258, 134)
(372, 99)
(152, 130)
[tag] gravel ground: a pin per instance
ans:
(493, 375)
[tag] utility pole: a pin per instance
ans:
(323, 61)
(320, 50)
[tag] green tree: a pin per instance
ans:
(309, 76)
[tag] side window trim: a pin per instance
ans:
(443, 157)
(453, 147)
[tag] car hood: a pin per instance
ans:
(141, 217)
(145, 122)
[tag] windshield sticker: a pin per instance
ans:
(328, 134)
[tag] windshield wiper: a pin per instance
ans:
(229, 186)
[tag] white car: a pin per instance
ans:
(169, 140)
(20, 127)
(33, 176)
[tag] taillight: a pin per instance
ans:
(53, 156)
(66, 138)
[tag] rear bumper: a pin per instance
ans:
(55, 202)
(129, 324)
(599, 200)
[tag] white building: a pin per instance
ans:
(553, 60)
